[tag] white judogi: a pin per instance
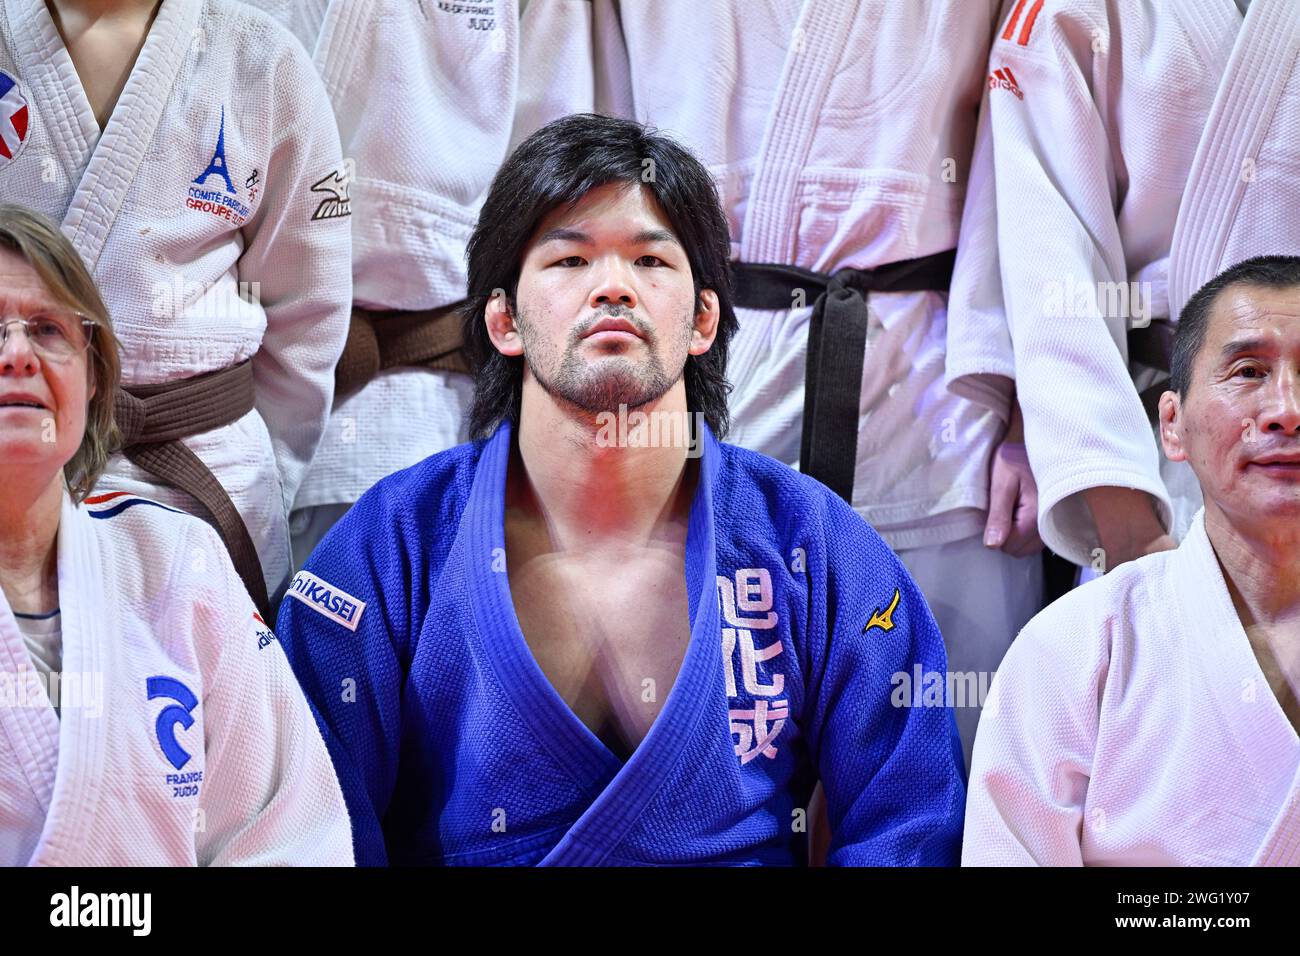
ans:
(222, 110)
(1107, 171)
(839, 135)
(183, 737)
(1130, 724)
(423, 95)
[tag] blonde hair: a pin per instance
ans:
(38, 240)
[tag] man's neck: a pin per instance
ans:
(589, 489)
(29, 513)
(1262, 566)
(98, 9)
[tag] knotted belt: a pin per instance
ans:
(382, 340)
(837, 342)
(154, 418)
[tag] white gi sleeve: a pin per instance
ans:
(1033, 756)
(420, 174)
(1058, 191)
(979, 364)
(298, 249)
(269, 795)
(572, 59)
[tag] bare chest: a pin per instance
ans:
(104, 54)
(609, 632)
(1278, 655)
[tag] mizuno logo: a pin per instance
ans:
(884, 621)
(324, 598)
(337, 203)
(1027, 27)
(1004, 79)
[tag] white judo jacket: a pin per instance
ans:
(424, 97)
(182, 737)
(212, 214)
(1130, 151)
(1130, 724)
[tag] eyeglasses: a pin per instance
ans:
(53, 335)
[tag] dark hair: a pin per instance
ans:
(1272, 272)
(556, 166)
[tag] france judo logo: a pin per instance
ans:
(169, 688)
(14, 119)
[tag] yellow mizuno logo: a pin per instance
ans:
(883, 621)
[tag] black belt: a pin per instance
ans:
(837, 343)
(1153, 345)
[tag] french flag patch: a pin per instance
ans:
(14, 119)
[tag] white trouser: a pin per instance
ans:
(981, 598)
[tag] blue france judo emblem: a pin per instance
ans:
(15, 118)
(169, 688)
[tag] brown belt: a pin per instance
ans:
(154, 418)
(382, 340)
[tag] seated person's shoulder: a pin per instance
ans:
(144, 528)
(1088, 625)
(169, 570)
(430, 495)
(399, 533)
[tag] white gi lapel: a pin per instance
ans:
(29, 729)
(810, 62)
(44, 67)
(116, 156)
(1282, 845)
(1247, 705)
(1262, 62)
(90, 637)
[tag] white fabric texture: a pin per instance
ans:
(1130, 724)
(146, 593)
(172, 276)
(423, 95)
(1105, 170)
(979, 612)
(839, 135)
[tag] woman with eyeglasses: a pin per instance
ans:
(188, 150)
(148, 716)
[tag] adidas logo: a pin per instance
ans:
(1004, 79)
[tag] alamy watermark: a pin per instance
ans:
(66, 690)
(1112, 300)
(922, 688)
(657, 429)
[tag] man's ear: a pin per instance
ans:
(706, 323)
(1171, 426)
(501, 325)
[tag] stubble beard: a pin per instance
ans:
(609, 382)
